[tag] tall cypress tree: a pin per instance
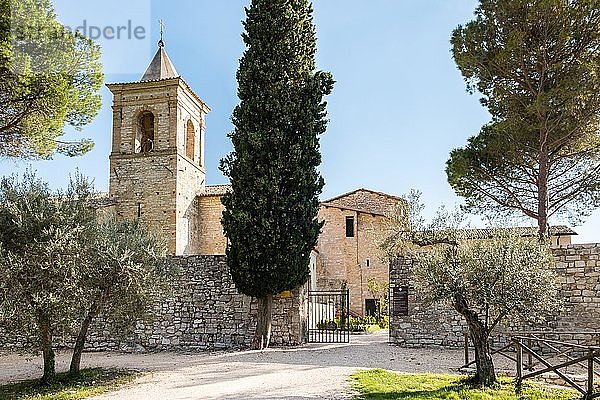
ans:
(271, 213)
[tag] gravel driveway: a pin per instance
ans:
(313, 371)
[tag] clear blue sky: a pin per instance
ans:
(398, 108)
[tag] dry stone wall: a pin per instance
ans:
(578, 271)
(203, 312)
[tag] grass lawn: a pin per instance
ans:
(91, 382)
(384, 385)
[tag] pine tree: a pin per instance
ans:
(271, 213)
(536, 64)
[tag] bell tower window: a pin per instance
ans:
(190, 140)
(144, 137)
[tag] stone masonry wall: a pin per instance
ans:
(351, 261)
(210, 234)
(578, 270)
(205, 312)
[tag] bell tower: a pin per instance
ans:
(157, 159)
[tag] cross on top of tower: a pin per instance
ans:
(161, 42)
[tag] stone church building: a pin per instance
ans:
(158, 174)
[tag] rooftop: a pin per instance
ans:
(215, 190)
(160, 68)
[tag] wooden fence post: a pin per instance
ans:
(519, 349)
(590, 382)
(529, 356)
(466, 348)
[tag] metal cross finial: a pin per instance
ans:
(161, 43)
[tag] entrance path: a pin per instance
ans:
(313, 371)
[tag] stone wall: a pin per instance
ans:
(578, 270)
(204, 312)
(210, 234)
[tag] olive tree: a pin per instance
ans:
(42, 234)
(121, 277)
(488, 280)
(61, 267)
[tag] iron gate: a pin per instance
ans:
(328, 316)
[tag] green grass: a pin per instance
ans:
(90, 382)
(384, 385)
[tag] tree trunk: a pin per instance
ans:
(262, 335)
(47, 351)
(480, 335)
(80, 343)
(486, 373)
(543, 188)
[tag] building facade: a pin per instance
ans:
(157, 174)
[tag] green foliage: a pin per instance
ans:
(49, 78)
(503, 276)
(487, 280)
(384, 322)
(270, 216)
(90, 382)
(60, 267)
(356, 324)
(41, 234)
(537, 66)
(385, 385)
(380, 291)
(121, 274)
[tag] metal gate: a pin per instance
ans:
(328, 316)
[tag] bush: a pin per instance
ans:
(384, 322)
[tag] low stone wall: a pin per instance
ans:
(578, 270)
(205, 312)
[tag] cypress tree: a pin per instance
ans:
(270, 216)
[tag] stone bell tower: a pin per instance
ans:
(157, 159)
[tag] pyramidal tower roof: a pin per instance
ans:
(161, 66)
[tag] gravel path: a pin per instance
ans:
(314, 371)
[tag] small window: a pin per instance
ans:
(190, 140)
(144, 137)
(349, 227)
(368, 263)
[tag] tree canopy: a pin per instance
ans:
(537, 66)
(270, 217)
(61, 266)
(501, 277)
(121, 277)
(49, 78)
(41, 232)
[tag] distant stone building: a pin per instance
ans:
(348, 250)
(157, 174)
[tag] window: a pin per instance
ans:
(144, 137)
(190, 140)
(349, 227)
(368, 263)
